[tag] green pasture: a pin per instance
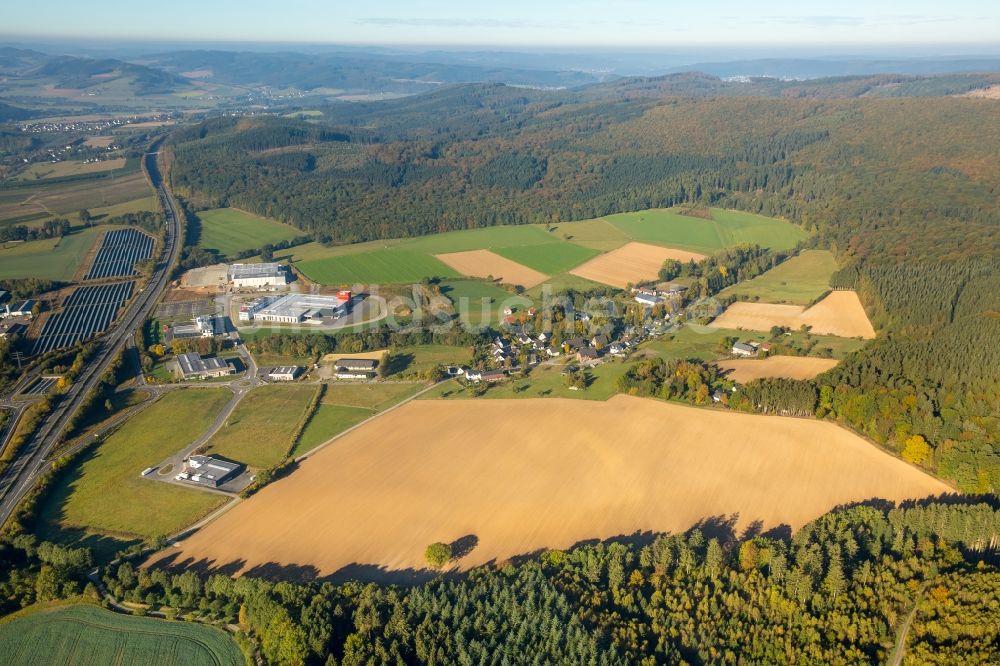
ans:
(83, 634)
(105, 494)
(799, 280)
(375, 267)
(51, 259)
(230, 231)
(260, 430)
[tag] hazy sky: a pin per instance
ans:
(632, 23)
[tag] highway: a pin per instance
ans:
(19, 477)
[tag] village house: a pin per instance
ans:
(588, 355)
(743, 349)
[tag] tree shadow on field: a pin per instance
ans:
(463, 546)
(397, 363)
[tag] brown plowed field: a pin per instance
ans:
(524, 475)
(631, 263)
(840, 313)
(483, 263)
(790, 367)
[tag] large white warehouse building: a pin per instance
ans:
(257, 275)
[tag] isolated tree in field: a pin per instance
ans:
(85, 217)
(438, 554)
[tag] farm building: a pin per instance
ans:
(208, 471)
(192, 365)
(257, 275)
(647, 299)
(743, 349)
(299, 308)
(355, 368)
(22, 309)
(285, 373)
(491, 376)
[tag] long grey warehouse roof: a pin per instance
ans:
(243, 271)
(356, 363)
(192, 363)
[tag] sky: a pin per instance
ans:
(519, 23)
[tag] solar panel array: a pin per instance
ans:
(87, 311)
(119, 252)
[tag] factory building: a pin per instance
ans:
(297, 308)
(193, 366)
(257, 275)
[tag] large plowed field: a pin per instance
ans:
(631, 263)
(840, 313)
(483, 264)
(789, 367)
(516, 476)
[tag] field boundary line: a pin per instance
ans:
(374, 416)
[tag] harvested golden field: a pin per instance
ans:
(840, 313)
(486, 264)
(631, 263)
(992, 92)
(790, 367)
(516, 476)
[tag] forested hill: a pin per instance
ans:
(904, 190)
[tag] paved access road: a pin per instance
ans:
(18, 478)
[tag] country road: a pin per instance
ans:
(18, 478)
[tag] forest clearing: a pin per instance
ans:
(486, 264)
(508, 477)
(743, 370)
(631, 263)
(840, 313)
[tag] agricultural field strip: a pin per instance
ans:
(120, 250)
(87, 311)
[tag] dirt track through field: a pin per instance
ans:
(790, 367)
(840, 313)
(483, 264)
(516, 476)
(631, 263)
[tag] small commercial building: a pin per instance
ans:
(355, 368)
(285, 373)
(192, 366)
(208, 471)
(257, 275)
(21, 309)
(201, 327)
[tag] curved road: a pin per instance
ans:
(19, 476)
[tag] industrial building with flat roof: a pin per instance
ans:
(257, 275)
(208, 471)
(203, 327)
(297, 308)
(192, 365)
(355, 368)
(285, 373)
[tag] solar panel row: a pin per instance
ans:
(120, 250)
(87, 311)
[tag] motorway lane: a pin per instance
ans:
(19, 476)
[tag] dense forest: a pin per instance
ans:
(837, 591)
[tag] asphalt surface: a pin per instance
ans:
(19, 477)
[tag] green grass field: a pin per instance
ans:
(105, 494)
(417, 359)
(230, 231)
(84, 634)
(375, 267)
(800, 280)
(260, 430)
(328, 421)
(52, 258)
(702, 342)
(551, 249)
(549, 258)
(43, 170)
(478, 301)
(726, 229)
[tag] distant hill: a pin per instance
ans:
(83, 73)
(349, 72)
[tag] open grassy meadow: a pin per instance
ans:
(64, 199)
(703, 342)
(83, 634)
(799, 280)
(43, 170)
(327, 421)
(230, 231)
(726, 229)
(477, 301)
(527, 475)
(418, 359)
(544, 381)
(261, 428)
(552, 250)
(105, 494)
(51, 259)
